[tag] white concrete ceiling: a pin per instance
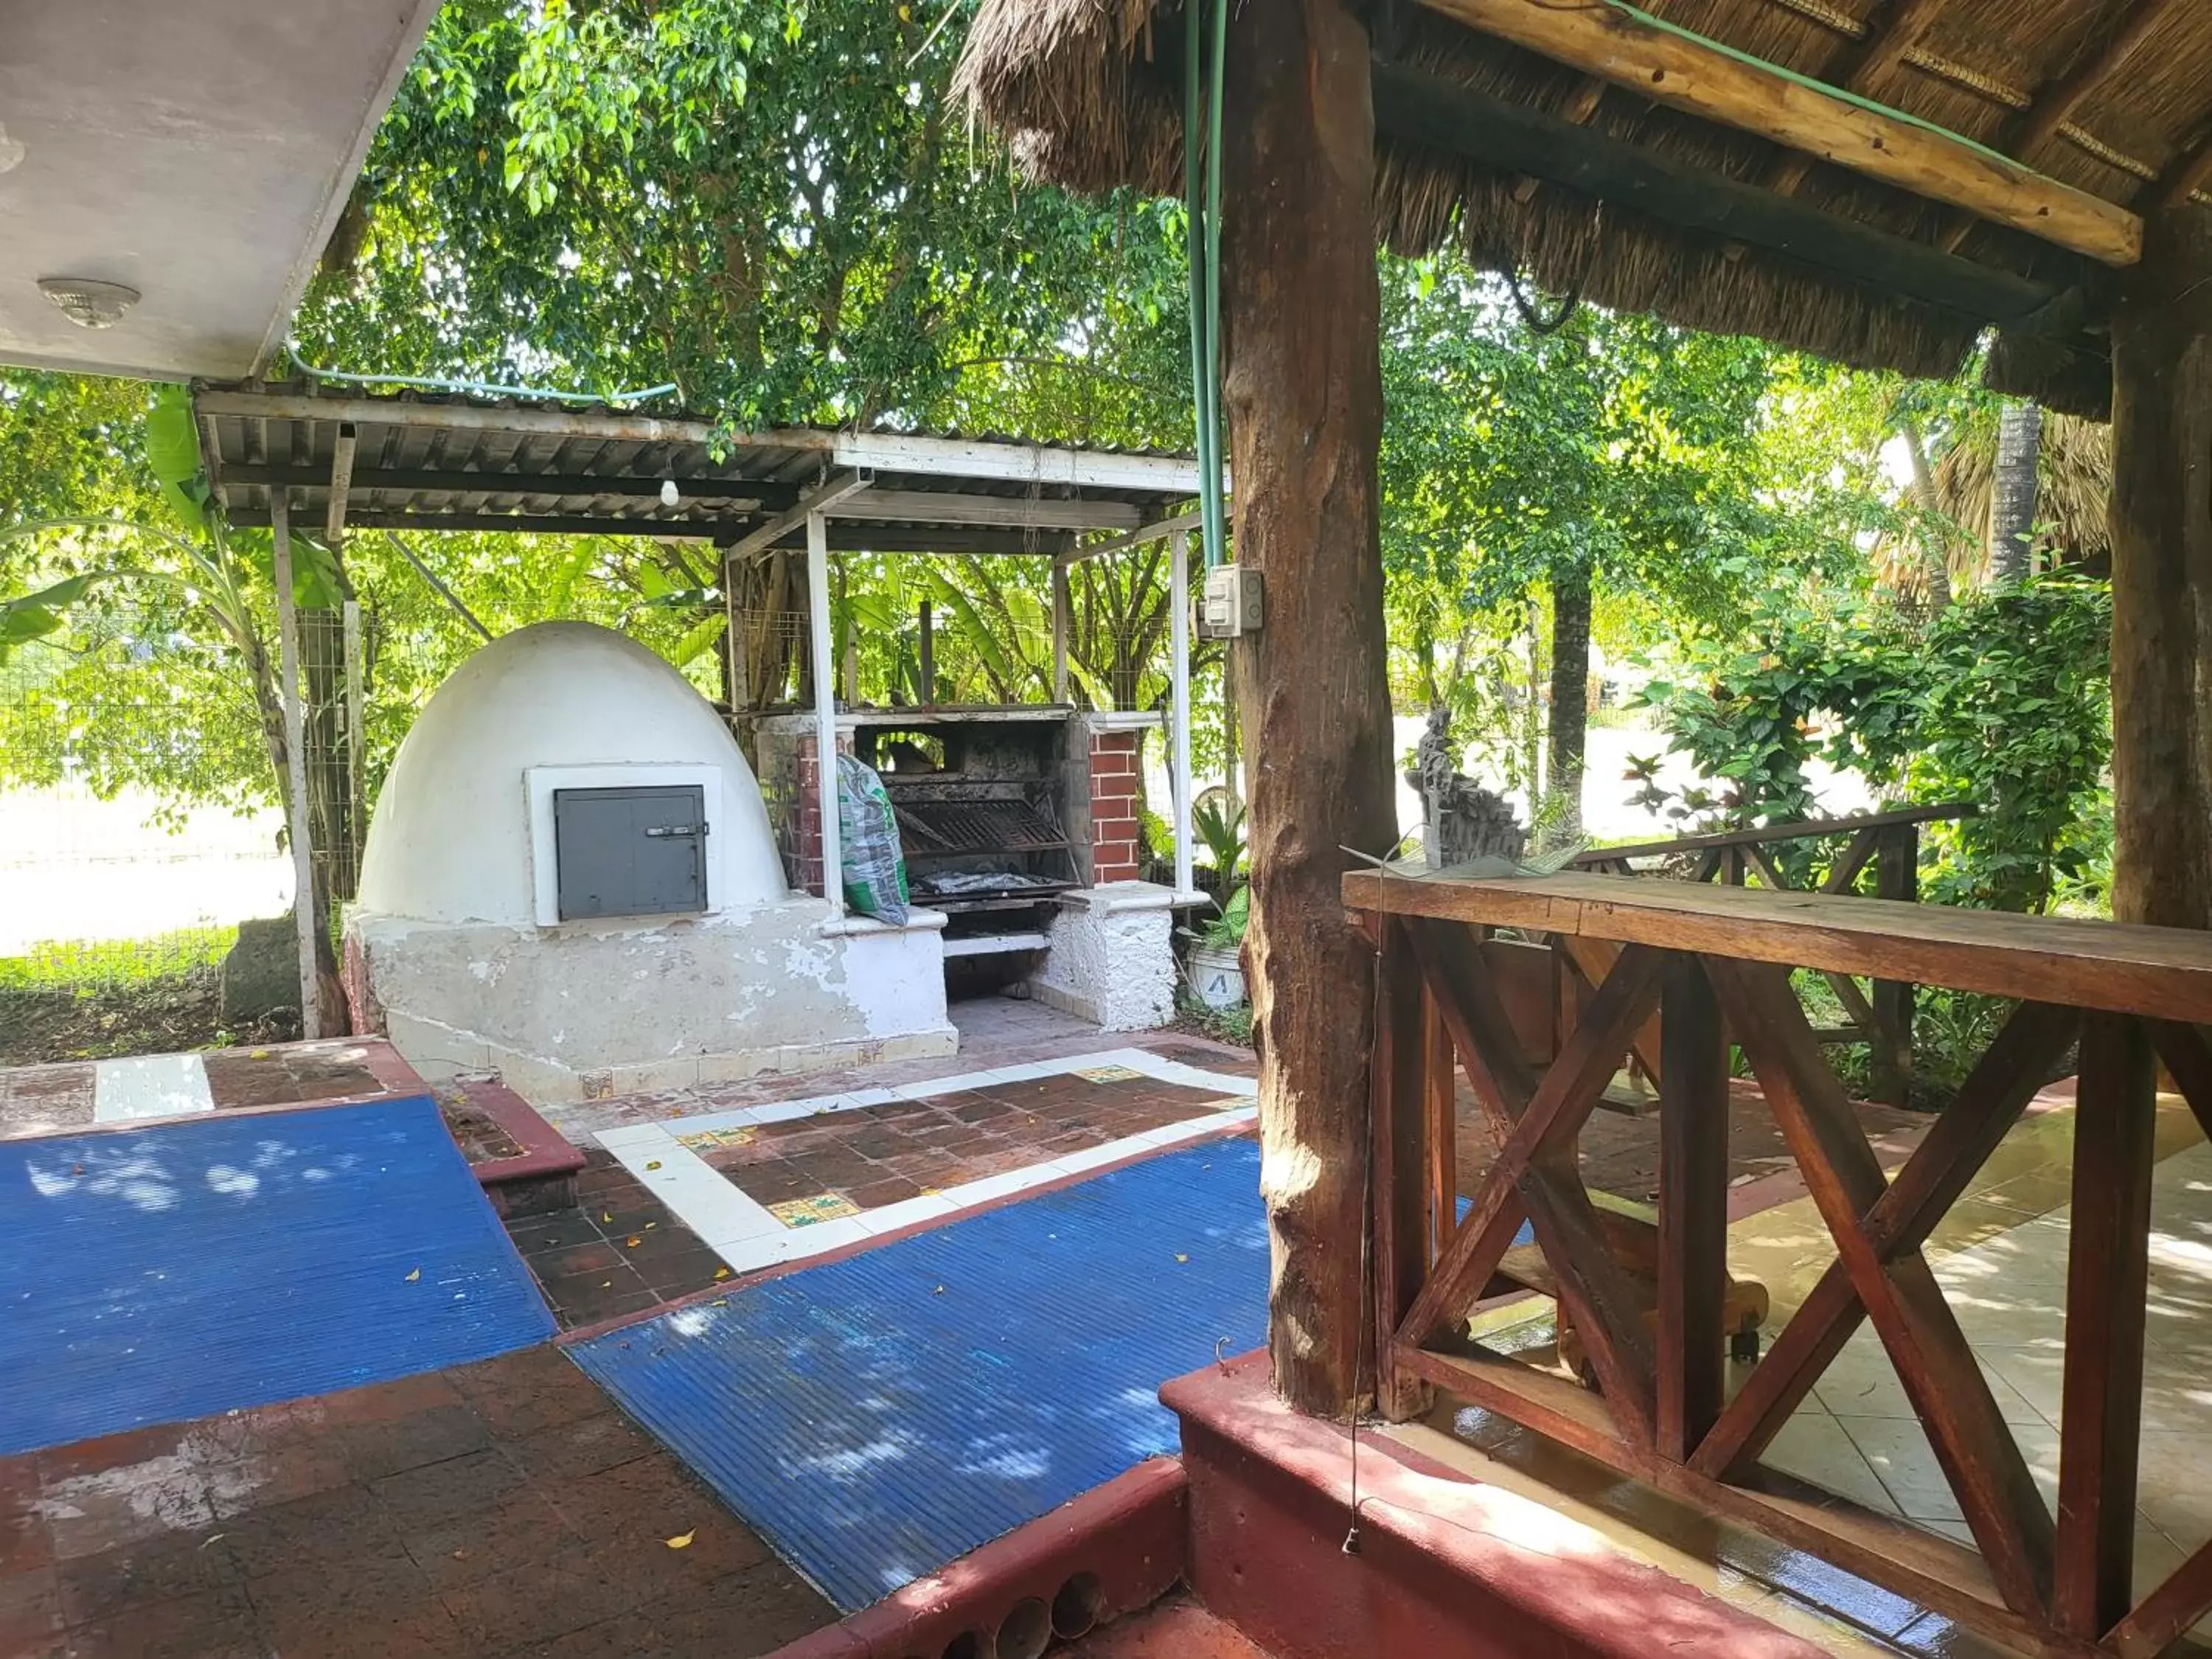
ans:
(197, 150)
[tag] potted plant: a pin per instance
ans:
(1217, 957)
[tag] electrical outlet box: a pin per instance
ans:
(1229, 606)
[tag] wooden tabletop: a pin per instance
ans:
(2166, 972)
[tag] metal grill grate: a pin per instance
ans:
(945, 829)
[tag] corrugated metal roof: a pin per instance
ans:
(466, 462)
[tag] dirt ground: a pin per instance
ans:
(159, 1015)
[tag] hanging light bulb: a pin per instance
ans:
(669, 496)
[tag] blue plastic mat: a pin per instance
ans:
(878, 1417)
(196, 1267)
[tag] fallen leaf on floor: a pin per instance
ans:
(682, 1539)
(257, 1054)
(214, 1538)
(1179, 1256)
(654, 1164)
(606, 1284)
(721, 1273)
(606, 1215)
(650, 1225)
(632, 1241)
(939, 1290)
(417, 1274)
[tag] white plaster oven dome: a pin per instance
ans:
(450, 839)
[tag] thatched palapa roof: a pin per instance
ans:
(2110, 97)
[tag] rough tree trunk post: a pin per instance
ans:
(2161, 531)
(1305, 396)
(1570, 657)
(2012, 490)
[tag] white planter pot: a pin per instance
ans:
(1217, 975)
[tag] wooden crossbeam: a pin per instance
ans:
(2167, 1611)
(1976, 1452)
(1699, 77)
(1532, 1172)
(2188, 1057)
(1958, 1143)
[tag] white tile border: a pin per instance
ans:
(694, 1193)
(748, 1238)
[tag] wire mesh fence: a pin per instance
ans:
(138, 830)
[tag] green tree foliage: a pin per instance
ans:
(2004, 702)
(767, 202)
(1607, 463)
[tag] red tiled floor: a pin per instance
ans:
(619, 1251)
(878, 1155)
(506, 1507)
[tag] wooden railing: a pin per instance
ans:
(1713, 964)
(1881, 1015)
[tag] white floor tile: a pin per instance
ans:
(150, 1086)
(631, 1134)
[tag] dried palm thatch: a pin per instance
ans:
(2073, 483)
(1088, 94)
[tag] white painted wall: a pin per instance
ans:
(450, 841)
(1111, 961)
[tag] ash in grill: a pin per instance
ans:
(980, 805)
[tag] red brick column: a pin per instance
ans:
(1114, 831)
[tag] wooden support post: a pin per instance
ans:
(1897, 875)
(1395, 1119)
(1305, 402)
(2108, 1264)
(2161, 519)
(929, 664)
(1694, 1141)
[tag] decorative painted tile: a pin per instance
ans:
(708, 1140)
(1110, 1074)
(811, 1211)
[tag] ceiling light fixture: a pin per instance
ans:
(669, 496)
(87, 302)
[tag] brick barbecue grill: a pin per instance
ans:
(1000, 810)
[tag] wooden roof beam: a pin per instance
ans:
(2055, 106)
(1862, 65)
(2188, 175)
(1424, 109)
(1700, 78)
(2043, 120)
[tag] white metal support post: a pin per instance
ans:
(1059, 628)
(295, 764)
(823, 654)
(1179, 681)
